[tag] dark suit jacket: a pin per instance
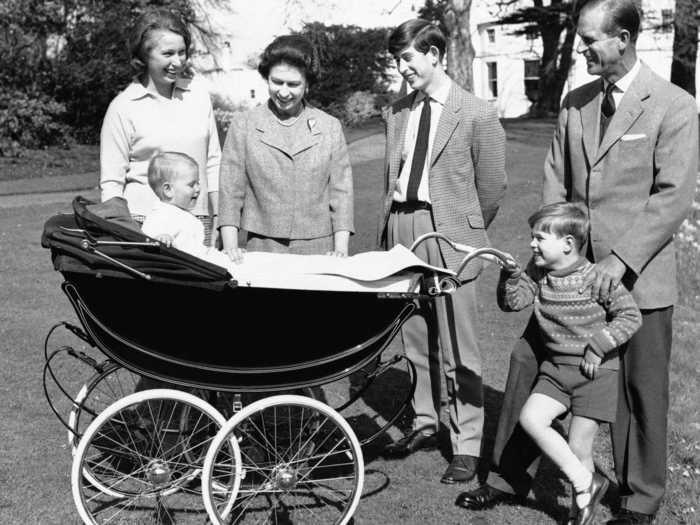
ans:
(638, 184)
(467, 177)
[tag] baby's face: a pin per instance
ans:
(185, 188)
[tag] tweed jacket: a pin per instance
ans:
(638, 183)
(277, 190)
(467, 178)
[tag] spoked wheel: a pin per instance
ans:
(145, 460)
(300, 463)
(112, 383)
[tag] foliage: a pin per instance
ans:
(30, 122)
(548, 21)
(688, 249)
(357, 108)
(224, 111)
(74, 51)
(352, 59)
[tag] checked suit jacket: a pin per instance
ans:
(467, 178)
(638, 182)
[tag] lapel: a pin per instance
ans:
(590, 123)
(272, 134)
(629, 111)
(399, 135)
(448, 122)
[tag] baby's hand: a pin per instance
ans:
(235, 254)
(590, 363)
(166, 239)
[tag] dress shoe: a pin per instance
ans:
(416, 440)
(585, 515)
(629, 517)
(482, 498)
(461, 469)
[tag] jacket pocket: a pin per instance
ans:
(475, 220)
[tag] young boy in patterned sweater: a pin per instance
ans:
(581, 337)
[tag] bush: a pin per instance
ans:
(27, 122)
(224, 111)
(356, 109)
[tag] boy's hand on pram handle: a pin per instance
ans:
(590, 363)
(510, 265)
(166, 239)
(235, 254)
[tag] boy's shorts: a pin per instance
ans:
(590, 398)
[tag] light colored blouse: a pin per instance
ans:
(139, 123)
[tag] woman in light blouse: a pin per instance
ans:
(161, 110)
(285, 172)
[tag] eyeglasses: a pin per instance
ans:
(583, 46)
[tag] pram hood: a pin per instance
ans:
(68, 235)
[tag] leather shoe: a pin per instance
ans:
(416, 440)
(585, 515)
(461, 469)
(482, 498)
(629, 517)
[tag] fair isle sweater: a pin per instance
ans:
(570, 321)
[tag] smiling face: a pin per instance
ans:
(549, 250)
(418, 69)
(166, 59)
(287, 87)
(602, 51)
(182, 189)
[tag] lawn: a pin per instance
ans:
(35, 465)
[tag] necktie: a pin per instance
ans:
(419, 152)
(607, 109)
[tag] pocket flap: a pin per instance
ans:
(475, 220)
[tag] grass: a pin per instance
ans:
(35, 465)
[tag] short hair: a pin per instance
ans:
(563, 218)
(140, 43)
(164, 166)
(621, 14)
(419, 32)
(295, 50)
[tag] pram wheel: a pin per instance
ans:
(144, 459)
(300, 463)
(111, 383)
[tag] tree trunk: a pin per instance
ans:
(460, 52)
(685, 45)
(554, 69)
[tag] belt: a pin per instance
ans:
(410, 206)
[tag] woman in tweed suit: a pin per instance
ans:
(285, 172)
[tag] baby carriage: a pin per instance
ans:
(181, 420)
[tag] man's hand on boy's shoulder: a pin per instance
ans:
(603, 277)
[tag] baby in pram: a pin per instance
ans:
(174, 178)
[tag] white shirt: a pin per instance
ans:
(186, 230)
(437, 103)
(623, 84)
(139, 123)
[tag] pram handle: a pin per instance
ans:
(488, 254)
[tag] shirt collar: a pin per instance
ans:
(136, 90)
(623, 83)
(440, 95)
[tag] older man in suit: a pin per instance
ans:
(627, 146)
(444, 172)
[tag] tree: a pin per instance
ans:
(453, 18)
(352, 59)
(554, 24)
(685, 44)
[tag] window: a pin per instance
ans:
(252, 93)
(492, 70)
(667, 20)
(532, 79)
(491, 35)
